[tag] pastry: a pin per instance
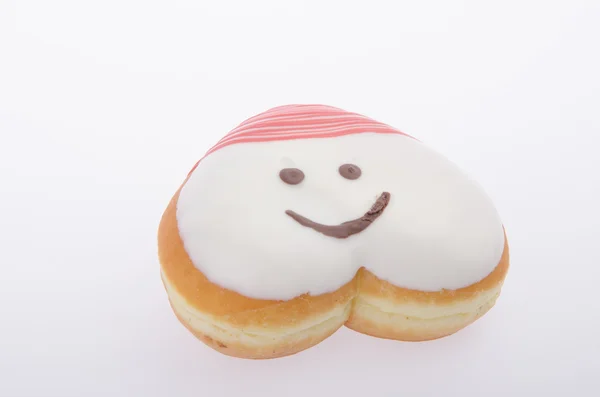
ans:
(306, 218)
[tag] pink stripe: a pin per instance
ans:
(313, 110)
(296, 119)
(283, 132)
(312, 125)
(331, 133)
(291, 122)
(294, 110)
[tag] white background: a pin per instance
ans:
(106, 105)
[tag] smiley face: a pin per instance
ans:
(294, 176)
(277, 219)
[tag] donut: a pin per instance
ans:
(307, 218)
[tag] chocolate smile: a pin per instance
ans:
(349, 228)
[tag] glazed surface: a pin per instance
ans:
(439, 229)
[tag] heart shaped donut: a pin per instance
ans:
(306, 218)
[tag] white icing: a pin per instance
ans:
(439, 231)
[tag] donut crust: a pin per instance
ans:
(259, 329)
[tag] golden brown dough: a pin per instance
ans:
(252, 328)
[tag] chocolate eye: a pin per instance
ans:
(350, 171)
(291, 176)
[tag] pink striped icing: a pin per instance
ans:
(300, 122)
